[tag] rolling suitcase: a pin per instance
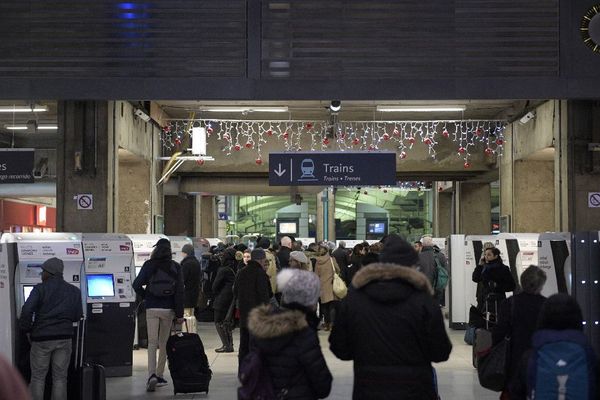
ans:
(188, 363)
(87, 381)
(483, 336)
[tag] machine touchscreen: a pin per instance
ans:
(101, 285)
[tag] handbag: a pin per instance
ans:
(492, 367)
(339, 286)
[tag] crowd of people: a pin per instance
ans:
(390, 323)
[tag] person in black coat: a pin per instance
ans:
(252, 288)
(356, 262)
(222, 289)
(495, 279)
(390, 325)
(518, 317)
(341, 255)
(288, 339)
(192, 272)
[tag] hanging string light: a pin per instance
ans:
(468, 136)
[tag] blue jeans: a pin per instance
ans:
(57, 352)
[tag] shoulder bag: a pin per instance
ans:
(339, 286)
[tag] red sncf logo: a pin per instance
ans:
(72, 251)
(123, 248)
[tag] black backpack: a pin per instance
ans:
(163, 282)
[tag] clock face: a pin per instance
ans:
(590, 28)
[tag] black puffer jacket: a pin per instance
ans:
(191, 280)
(291, 351)
(495, 278)
(222, 288)
(392, 328)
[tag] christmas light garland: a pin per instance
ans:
(244, 135)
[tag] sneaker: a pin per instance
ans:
(152, 382)
(161, 381)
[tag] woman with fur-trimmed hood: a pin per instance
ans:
(392, 328)
(288, 341)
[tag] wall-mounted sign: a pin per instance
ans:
(332, 169)
(85, 201)
(16, 165)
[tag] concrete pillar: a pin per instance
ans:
(533, 196)
(320, 222)
(180, 215)
(85, 166)
(474, 208)
(331, 215)
(583, 165)
(442, 217)
(206, 215)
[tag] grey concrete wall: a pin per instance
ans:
(179, 215)
(207, 215)
(475, 209)
(584, 165)
(84, 155)
(533, 194)
(443, 214)
(134, 207)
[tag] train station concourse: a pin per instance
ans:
(288, 132)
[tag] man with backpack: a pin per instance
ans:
(561, 363)
(433, 265)
(160, 284)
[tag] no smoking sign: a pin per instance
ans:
(594, 199)
(85, 201)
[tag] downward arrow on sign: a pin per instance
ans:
(279, 171)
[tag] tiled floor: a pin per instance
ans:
(457, 378)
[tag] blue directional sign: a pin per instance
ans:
(332, 169)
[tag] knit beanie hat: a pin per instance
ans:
(396, 250)
(299, 256)
(264, 243)
(53, 266)
(298, 286)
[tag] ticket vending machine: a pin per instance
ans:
(143, 245)
(177, 243)
(26, 252)
(7, 306)
(109, 274)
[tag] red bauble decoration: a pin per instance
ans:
(226, 136)
(209, 130)
(167, 129)
(386, 136)
(249, 145)
(326, 141)
(396, 132)
(499, 142)
(309, 126)
(467, 165)
(488, 151)
(427, 141)
(355, 141)
(286, 135)
(445, 133)
(258, 161)
(402, 155)
(200, 162)
(237, 147)
(177, 141)
(479, 131)
(411, 140)
(461, 150)
(269, 132)
(371, 147)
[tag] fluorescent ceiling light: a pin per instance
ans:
(25, 127)
(22, 109)
(247, 109)
(15, 127)
(450, 108)
(47, 127)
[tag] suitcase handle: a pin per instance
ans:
(178, 331)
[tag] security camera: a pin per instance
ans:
(335, 106)
(141, 114)
(527, 117)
